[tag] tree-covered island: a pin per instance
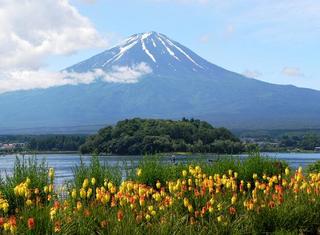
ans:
(148, 136)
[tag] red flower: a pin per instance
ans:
(31, 223)
(232, 210)
(56, 204)
(120, 215)
(1, 221)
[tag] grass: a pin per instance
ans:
(256, 195)
(155, 169)
(96, 169)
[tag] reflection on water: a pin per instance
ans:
(63, 163)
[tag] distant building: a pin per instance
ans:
(11, 146)
(317, 149)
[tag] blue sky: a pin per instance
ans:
(274, 41)
(278, 43)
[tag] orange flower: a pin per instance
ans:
(31, 223)
(139, 219)
(103, 223)
(57, 226)
(120, 215)
(271, 204)
(86, 213)
(12, 221)
(196, 214)
(56, 204)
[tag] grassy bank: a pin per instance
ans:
(229, 196)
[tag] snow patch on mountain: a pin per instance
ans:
(147, 51)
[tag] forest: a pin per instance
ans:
(148, 136)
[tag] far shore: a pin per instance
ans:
(161, 154)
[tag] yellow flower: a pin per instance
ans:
(83, 193)
(79, 205)
(74, 193)
(50, 188)
(219, 207)
(36, 191)
(51, 173)
(287, 171)
(28, 202)
(89, 192)
(46, 189)
(139, 172)
(190, 208)
(113, 189)
(110, 185)
(212, 201)
(85, 183)
(150, 208)
(6, 226)
(93, 181)
(53, 212)
(254, 176)
(106, 198)
(184, 173)
(233, 200)
(219, 218)
(186, 202)
(28, 181)
(148, 217)
(158, 185)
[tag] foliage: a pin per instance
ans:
(24, 168)
(96, 169)
(55, 142)
(148, 136)
(194, 199)
(314, 167)
(43, 142)
(155, 169)
(284, 140)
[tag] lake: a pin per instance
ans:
(63, 163)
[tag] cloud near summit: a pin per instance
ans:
(29, 79)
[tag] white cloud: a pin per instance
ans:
(252, 73)
(30, 79)
(89, 1)
(31, 30)
(203, 2)
(292, 72)
(204, 38)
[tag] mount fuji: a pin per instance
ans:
(150, 75)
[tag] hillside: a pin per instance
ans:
(152, 76)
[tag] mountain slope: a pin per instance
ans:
(178, 84)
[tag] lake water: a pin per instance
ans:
(63, 163)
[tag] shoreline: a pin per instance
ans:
(174, 154)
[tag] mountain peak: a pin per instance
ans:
(164, 55)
